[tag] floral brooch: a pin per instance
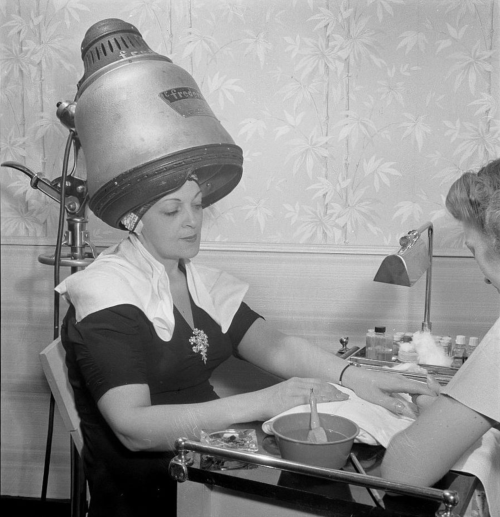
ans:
(199, 342)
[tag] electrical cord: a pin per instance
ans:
(57, 267)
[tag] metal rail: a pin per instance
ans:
(178, 470)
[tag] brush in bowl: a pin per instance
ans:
(291, 434)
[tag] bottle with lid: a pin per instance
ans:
(378, 342)
(471, 346)
(458, 351)
(369, 350)
(382, 344)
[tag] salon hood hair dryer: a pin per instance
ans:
(144, 126)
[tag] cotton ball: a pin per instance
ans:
(427, 350)
(408, 367)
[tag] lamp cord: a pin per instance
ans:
(57, 265)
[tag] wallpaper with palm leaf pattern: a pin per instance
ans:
(354, 116)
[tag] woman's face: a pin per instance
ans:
(172, 226)
(486, 257)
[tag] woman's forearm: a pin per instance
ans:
(429, 448)
(156, 428)
(141, 426)
(288, 356)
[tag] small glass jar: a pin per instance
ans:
(369, 349)
(407, 354)
(382, 344)
(445, 344)
(379, 341)
(408, 337)
(458, 352)
(471, 346)
(396, 341)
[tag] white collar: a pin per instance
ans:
(128, 274)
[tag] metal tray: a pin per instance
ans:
(442, 374)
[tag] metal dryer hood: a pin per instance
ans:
(144, 126)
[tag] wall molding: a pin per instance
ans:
(256, 247)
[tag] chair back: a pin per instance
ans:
(56, 372)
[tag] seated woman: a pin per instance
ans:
(469, 405)
(143, 334)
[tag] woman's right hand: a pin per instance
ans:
(295, 392)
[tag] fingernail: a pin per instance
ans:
(399, 407)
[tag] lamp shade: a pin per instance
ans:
(144, 126)
(406, 266)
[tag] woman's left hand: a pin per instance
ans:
(378, 387)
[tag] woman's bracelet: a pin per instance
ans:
(342, 374)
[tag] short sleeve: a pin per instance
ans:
(108, 348)
(242, 321)
(477, 382)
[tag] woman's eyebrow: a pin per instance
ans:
(171, 200)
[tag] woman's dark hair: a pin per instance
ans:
(474, 199)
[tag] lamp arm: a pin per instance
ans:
(424, 227)
(426, 324)
(408, 241)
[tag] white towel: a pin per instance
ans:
(377, 425)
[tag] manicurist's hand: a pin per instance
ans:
(378, 388)
(425, 401)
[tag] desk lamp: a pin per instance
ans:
(409, 263)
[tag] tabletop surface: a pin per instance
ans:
(318, 494)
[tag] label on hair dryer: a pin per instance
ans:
(187, 101)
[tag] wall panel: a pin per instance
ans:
(320, 296)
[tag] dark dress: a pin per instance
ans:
(118, 346)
